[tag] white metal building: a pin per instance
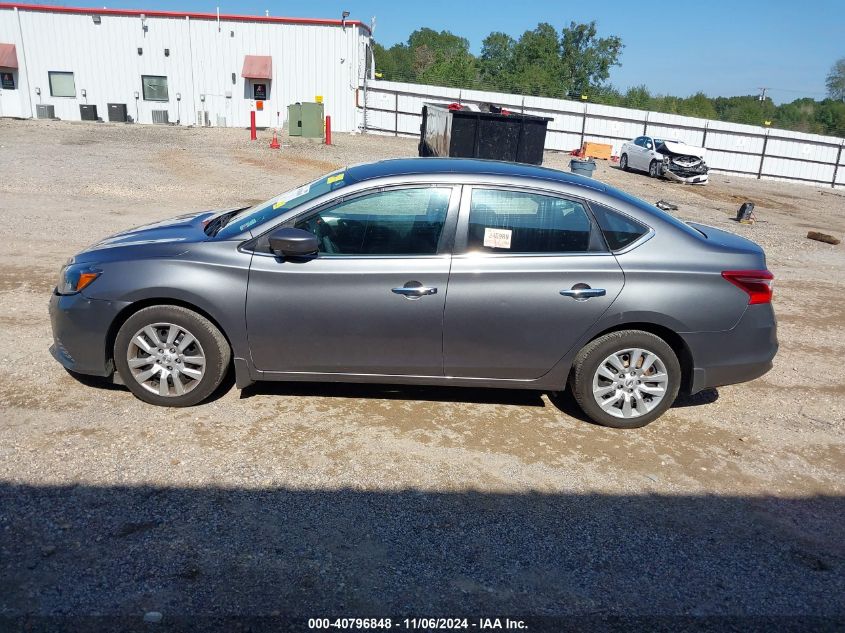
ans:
(190, 68)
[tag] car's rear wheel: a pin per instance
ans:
(626, 379)
(654, 169)
(623, 162)
(171, 356)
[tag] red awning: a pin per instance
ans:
(258, 67)
(8, 56)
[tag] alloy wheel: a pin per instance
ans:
(166, 359)
(630, 383)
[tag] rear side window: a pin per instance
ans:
(518, 222)
(619, 230)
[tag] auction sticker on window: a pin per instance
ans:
(497, 238)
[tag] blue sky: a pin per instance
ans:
(673, 47)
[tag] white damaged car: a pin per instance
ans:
(664, 157)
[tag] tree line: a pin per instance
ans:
(575, 63)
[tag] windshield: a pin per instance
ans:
(273, 208)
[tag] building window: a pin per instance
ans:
(155, 88)
(61, 84)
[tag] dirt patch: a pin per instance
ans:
(276, 163)
(33, 279)
(713, 193)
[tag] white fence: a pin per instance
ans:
(742, 150)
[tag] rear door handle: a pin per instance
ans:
(582, 294)
(414, 292)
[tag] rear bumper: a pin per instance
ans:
(80, 331)
(737, 355)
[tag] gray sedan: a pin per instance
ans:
(425, 271)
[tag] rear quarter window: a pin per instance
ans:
(652, 210)
(619, 230)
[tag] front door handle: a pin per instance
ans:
(414, 290)
(582, 292)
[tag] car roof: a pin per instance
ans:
(468, 166)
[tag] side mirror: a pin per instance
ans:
(290, 242)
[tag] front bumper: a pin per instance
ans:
(80, 332)
(698, 179)
(737, 355)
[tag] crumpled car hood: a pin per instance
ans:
(684, 149)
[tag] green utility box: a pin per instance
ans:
(306, 119)
(295, 119)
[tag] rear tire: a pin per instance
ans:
(174, 345)
(623, 163)
(602, 388)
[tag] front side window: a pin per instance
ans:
(61, 84)
(154, 87)
(394, 222)
(518, 222)
(619, 230)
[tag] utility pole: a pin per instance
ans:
(762, 96)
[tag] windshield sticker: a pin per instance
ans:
(497, 238)
(246, 225)
(333, 179)
(280, 203)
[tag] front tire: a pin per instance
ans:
(171, 356)
(654, 169)
(626, 379)
(623, 163)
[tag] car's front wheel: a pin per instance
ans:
(626, 379)
(654, 169)
(171, 356)
(623, 162)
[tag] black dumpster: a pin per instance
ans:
(518, 138)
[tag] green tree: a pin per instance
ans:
(496, 61)
(608, 95)
(442, 43)
(830, 117)
(698, 105)
(637, 97)
(394, 63)
(836, 81)
(587, 58)
(536, 67)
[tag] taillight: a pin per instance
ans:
(757, 283)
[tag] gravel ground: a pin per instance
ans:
(327, 500)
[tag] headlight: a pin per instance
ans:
(75, 277)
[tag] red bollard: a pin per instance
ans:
(328, 130)
(252, 134)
